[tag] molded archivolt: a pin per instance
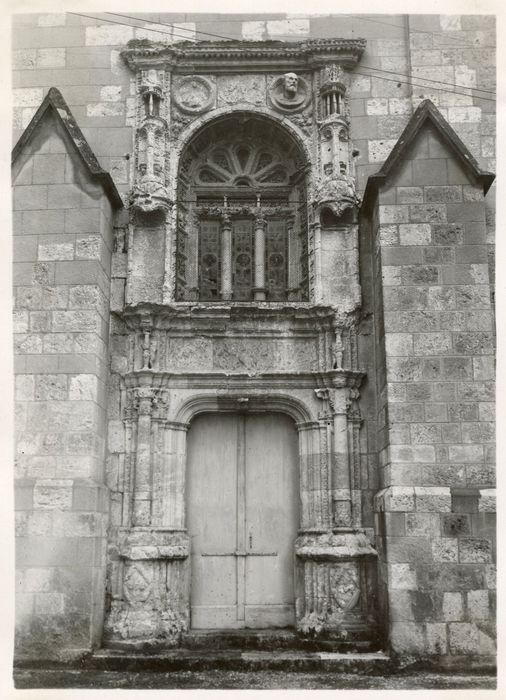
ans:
(279, 403)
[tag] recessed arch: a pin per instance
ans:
(238, 172)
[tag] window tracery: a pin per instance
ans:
(241, 221)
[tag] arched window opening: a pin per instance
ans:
(242, 215)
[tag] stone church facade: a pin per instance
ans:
(254, 333)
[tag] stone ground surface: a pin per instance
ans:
(26, 678)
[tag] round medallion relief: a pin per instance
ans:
(289, 93)
(194, 94)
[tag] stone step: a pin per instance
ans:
(275, 639)
(185, 659)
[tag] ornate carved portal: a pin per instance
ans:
(239, 152)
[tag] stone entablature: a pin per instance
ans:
(257, 338)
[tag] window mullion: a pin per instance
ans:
(259, 288)
(226, 257)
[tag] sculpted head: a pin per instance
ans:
(290, 83)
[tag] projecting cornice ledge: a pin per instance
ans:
(210, 54)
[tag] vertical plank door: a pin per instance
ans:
(243, 508)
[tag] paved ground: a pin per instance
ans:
(25, 678)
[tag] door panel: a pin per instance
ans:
(212, 518)
(243, 507)
(271, 514)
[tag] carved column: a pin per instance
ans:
(226, 258)
(341, 484)
(318, 289)
(259, 288)
(335, 560)
(142, 491)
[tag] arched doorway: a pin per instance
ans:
(243, 508)
(242, 214)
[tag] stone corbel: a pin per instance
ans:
(335, 192)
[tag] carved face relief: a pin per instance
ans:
(290, 85)
(194, 94)
(289, 93)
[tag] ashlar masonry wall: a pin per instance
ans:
(435, 520)
(62, 252)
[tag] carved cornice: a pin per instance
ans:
(208, 55)
(165, 316)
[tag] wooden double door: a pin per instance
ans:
(242, 517)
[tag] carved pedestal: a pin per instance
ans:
(150, 600)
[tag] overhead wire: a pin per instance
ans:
(377, 70)
(358, 17)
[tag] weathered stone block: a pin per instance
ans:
(408, 637)
(76, 321)
(83, 387)
(487, 502)
(38, 580)
(453, 606)
(478, 605)
(473, 549)
(108, 35)
(389, 235)
(432, 499)
(415, 234)
(445, 549)
(466, 453)
(432, 213)
(477, 343)
(419, 274)
(432, 343)
(422, 525)
(25, 387)
(436, 638)
(443, 193)
(410, 195)
(53, 493)
(89, 247)
(402, 577)
(393, 214)
(377, 106)
(399, 343)
(52, 603)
